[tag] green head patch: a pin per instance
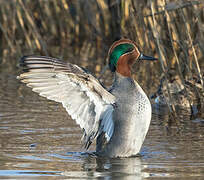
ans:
(117, 52)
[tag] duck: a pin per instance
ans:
(117, 118)
(186, 95)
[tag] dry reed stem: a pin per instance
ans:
(5, 32)
(21, 22)
(172, 6)
(171, 29)
(187, 25)
(162, 58)
(36, 35)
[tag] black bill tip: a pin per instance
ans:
(144, 57)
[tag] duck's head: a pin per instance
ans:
(123, 54)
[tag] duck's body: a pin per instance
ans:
(119, 119)
(131, 116)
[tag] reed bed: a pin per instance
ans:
(169, 29)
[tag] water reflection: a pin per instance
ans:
(26, 173)
(38, 138)
(125, 168)
(95, 167)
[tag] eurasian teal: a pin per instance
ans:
(118, 118)
(186, 95)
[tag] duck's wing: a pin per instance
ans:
(80, 93)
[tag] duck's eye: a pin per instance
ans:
(117, 52)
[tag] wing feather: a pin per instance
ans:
(80, 93)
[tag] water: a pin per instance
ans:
(39, 140)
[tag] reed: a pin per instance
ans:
(172, 30)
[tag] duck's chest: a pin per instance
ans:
(132, 115)
(132, 112)
(131, 101)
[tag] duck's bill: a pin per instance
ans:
(144, 57)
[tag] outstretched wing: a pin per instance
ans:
(79, 92)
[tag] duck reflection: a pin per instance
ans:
(108, 168)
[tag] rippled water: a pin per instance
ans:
(39, 140)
